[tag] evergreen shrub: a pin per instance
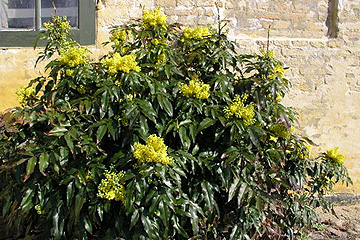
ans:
(170, 135)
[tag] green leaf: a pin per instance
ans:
(154, 204)
(69, 142)
(31, 166)
(134, 218)
(165, 104)
(233, 188)
(185, 140)
(207, 122)
(148, 226)
(69, 193)
(194, 219)
(243, 188)
(58, 131)
(254, 138)
(177, 226)
(43, 161)
(79, 202)
(164, 214)
(88, 224)
(100, 133)
(208, 194)
(26, 203)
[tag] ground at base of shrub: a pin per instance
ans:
(344, 226)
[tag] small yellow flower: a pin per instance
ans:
(195, 88)
(154, 151)
(112, 186)
(278, 71)
(153, 17)
(24, 93)
(280, 130)
(196, 33)
(39, 210)
(334, 155)
(274, 139)
(72, 56)
(118, 63)
(238, 109)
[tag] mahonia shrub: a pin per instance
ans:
(170, 135)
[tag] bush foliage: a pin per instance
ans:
(170, 135)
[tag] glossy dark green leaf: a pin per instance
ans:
(58, 131)
(185, 140)
(69, 142)
(26, 202)
(43, 161)
(166, 105)
(154, 204)
(79, 202)
(69, 193)
(100, 133)
(88, 225)
(31, 165)
(134, 218)
(164, 213)
(254, 137)
(233, 188)
(148, 226)
(178, 227)
(207, 122)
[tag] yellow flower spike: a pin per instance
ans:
(196, 33)
(154, 151)
(195, 88)
(154, 17)
(278, 71)
(280, 130)
(238, 109)
(111, 187)
(118, 63)
(24, 92)
(334, 155)
(72, 57)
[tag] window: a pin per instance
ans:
(21, 20)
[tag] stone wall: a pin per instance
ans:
(324, 71)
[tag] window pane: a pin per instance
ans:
(67, 8)
(17, 14)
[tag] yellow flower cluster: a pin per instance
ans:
(72, 57)
(304, 153)
(334, 155)
(196, 33)
(118, 63)
(153, 17)
(161, 59)
(119, 37)
(112, 188)
(278, 71)
(267, 53)
(280, 130)
(24, 93)
(154, 151)
(39, 210)
(156, 41)
(238, 109)
(58, 28)
(195, 88)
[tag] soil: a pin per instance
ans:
(345, 225)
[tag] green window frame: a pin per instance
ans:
(85, 34)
